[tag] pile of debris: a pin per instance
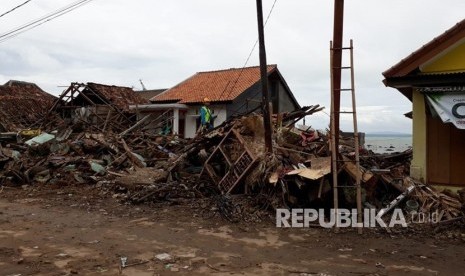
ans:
(298, 173)
(86, 135)
(21, 105)
(65, 157)
(226, 169)
(446, 205)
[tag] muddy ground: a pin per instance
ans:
(79, 231)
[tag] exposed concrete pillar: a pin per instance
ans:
(418, 168)
(175, 121)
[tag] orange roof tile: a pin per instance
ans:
(218, 86)
(24, 90)
(22, 104)
(120, 96)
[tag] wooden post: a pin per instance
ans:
(338, 30)
(333, 144)
(264, 79)
(356, 139)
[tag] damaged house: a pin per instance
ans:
(149, 93)
(99, 106)
(433, 79)
(230, 92)
(22, 104)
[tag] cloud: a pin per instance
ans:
(164, 42)
(369, 119)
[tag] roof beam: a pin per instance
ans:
(426, 80)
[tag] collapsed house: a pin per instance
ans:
(150, 93)
(97, 106)
(85, 134)
(230, 92)
(22, 104)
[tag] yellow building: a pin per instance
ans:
(428, 77)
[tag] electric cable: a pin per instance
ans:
(248, 57)
(44, 19)
(17, 7)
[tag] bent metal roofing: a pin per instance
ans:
(217, 86)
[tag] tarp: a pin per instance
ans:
(449, 106)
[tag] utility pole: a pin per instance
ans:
(264, 79)
(336, 67)
(338, 30)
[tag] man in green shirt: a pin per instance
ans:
(206, 115)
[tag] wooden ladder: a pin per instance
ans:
(335, 158)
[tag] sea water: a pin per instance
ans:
(388, 143)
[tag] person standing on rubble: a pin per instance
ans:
(206, 118)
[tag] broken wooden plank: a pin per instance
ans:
(132, 157)
(395, 202)
(351, 169)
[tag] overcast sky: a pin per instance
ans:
(164, 42)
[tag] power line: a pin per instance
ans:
(37, 25)
(44, 19)
(19, 6)
(248, 58)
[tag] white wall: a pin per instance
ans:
(220, 112)
(194, 112)
(190, 127)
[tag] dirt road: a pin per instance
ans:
(76, 231)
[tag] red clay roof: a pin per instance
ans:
(427, 51)
(22, 104)
(25, 90)
(148, 94)
(120, 96)
(218, 86)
